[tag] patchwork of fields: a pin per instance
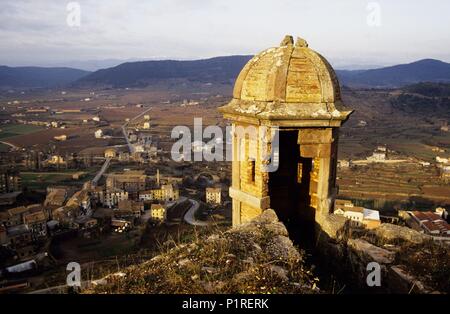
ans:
(9, 131)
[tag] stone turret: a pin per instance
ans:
(293, 89)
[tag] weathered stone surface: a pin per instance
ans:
(333, 226)
(247, 227)
(371, 253)
(401, 281)
(287, 81)
(315, 150)
(315, 136)
(306, 75)
(268, 221)
(391, 232)
(267, 216)
(280, 246)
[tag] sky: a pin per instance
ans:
(349, 33)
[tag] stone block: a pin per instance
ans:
(315, 150)
(402, 281)
(370, 253)
(392, 233)
(333, 226)
(315, 136)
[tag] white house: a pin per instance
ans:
(98, 134)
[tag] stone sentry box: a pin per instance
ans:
(295, 90)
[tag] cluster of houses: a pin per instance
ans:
(358, 216)
(10, 186)
(72, 212)
(428, 222)
(142, 152)
(124, 200)
(378, 155)
(130, 192)
(432, 223)
(24, 229)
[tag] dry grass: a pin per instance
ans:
(428, 261)
(244, 260)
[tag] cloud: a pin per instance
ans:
(36, 31)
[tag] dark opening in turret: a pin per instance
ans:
(289, 190)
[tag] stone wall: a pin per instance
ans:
(347, 253)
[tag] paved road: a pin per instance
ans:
(124, 129)
(189, 217)
(101, 172)
(125, 135)
(9, 144)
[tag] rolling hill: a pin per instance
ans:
(427, 99)
(226, 69)
(426, 70)
(214, 70)
(37, 77)
(219, 70)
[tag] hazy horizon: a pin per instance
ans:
(351, 35)
(94, 65)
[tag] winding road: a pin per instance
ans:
(189, 217)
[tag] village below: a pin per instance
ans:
(87, 177)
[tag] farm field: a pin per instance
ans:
(78, 139)
(407, 135)
(40, 180)
(406, 182)
(11, 130)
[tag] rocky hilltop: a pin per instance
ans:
(256, 257)
(259, 257)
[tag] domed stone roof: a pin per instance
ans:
(289, 81)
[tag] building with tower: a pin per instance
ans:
(291, 97)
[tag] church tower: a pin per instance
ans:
(293, 92)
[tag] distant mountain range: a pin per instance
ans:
(219, 70)
(427, 70)
(38, 77)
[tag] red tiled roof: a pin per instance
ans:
(431, 226)
(419, 216)
(423, 216)
(442, 225)
(432, 216)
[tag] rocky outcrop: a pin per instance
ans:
(402, 281)
(394, 233)
(370, 253)
(256, 257)
(349, 252)
(334, 226)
